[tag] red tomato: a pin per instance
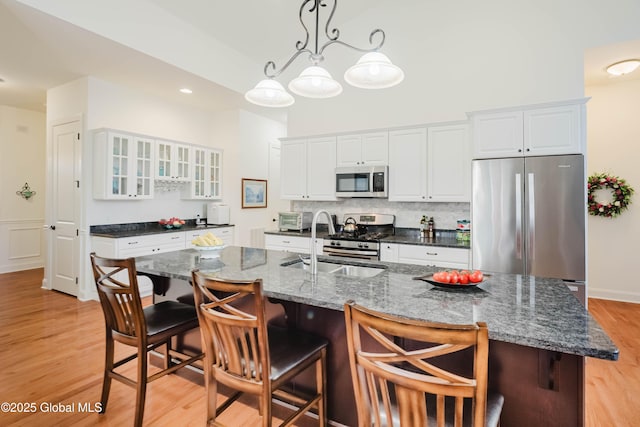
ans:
(454, 277)
(438, 276)
(464, 278)
(476, 276)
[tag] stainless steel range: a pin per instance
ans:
(360, 235)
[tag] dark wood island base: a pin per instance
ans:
(540, 387)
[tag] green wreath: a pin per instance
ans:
(621, 195)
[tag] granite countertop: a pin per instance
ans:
(407, 236)
(116, 231)
(524, 310)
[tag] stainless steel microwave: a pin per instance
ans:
(362, 181)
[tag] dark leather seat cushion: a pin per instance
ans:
(289, 347)
(167, 315)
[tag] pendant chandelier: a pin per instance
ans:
(372, 71)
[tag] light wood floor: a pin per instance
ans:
(51, 351)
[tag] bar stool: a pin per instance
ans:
(146, 328)
(246, 355)
(397, 382)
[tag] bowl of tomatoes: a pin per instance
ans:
(455, 279)
(173, 222)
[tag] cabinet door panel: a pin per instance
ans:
(293, 169)
(552, 131)
(497, 135)
(321, 165)
(349, 150)
(375, 149)
(407, 165)
(449, 164)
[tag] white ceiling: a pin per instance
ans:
(39, 51)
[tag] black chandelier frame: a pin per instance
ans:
(270, 69)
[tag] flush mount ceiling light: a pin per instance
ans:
(623, 67)
(186, 90)
(373, 71)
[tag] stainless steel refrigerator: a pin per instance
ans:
(528, 217)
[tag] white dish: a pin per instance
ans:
(209, 248)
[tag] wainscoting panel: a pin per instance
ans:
(22, 245)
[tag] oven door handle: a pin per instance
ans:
(372, 254)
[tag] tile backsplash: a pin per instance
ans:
(408, 214)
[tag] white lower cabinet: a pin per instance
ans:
(291, 243)
(438, 256)
(389, 252)
(224, 233)
(126, 247)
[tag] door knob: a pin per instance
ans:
(53, 227)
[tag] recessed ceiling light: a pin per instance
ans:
(623, 67)
(186, 90)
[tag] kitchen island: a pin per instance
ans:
(540, 333)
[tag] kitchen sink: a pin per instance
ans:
(353, 270)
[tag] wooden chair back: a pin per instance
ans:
(235, 341)
(402, 386)
(117, 285)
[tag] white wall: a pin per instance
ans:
(22, 143)
(248, 157)
(466, 55)
(118, 107)
(614, 148)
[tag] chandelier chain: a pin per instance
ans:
(270, 69)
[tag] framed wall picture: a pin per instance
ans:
(254, 193)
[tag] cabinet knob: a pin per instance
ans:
(528, 150)
(519, 150)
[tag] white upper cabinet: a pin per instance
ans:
(555, 130)
(172, 161)
(368, 149)
(293, 169)
(308, 169)
(530, 131)
(448, 163)
(122, 166)
(408, 165)
(431, 164)
(498, 135)
(206, 174)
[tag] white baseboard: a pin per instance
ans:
(614, 295)
(20, 267)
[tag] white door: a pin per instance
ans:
(65, 207)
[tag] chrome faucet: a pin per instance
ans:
(332, 230)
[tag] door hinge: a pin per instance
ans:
(76, 280)
(77, 232)
(77, 183)
(78, 136)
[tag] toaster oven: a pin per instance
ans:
(294, 221)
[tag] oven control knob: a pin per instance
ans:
(366, 246)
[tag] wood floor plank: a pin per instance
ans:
(52, 345)
(52, 355)
(613, 388)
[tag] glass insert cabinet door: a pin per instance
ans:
(173, 161)
(131, 167)
(206, 179)
(144, 174)
(120, 165)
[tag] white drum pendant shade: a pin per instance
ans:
(269, 93)
(374, 70)
(315, 82)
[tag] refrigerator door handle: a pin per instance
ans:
(518, 219)
(532, 214)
